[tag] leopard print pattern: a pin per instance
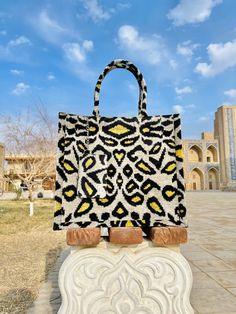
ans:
(144, 180)
(92, 175)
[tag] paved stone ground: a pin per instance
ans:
(211, 252)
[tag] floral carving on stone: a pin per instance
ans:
(128, 281)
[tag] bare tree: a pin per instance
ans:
(30, 140)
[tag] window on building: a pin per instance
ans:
(27, 166)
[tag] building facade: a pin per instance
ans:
(19, 167)
(225, 133)
(201, 163)
(2, 158)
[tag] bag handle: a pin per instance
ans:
(127, 65)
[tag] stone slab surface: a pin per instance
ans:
(212, 221)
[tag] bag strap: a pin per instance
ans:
(127, 65)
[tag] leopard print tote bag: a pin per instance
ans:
(119, 171)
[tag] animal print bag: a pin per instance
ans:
(119, 171)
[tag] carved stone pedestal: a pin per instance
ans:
(118, 279)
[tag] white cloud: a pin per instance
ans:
(184, 90)
(16, 49)
(190, 106)
(173, 64)
(76, 52)
(147, 48)
(20, 89)
(48, 22)
(186, 49)
(3, 32)
(21, 40)
(95, 11)
(222, 56)
(230, 93)
(49, 28)
(87, 45)
(183, 108)
(190, 11)
(204, 118)
(208, 116)
(16, 72)
(51, 77)
(178, 109)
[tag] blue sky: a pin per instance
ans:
(51, 53)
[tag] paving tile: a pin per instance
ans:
(211, 265)
(216, 247)
(232, 290)
(213, 300)
(194, 268)
(202, 281)
(200, 255)
(190, 247)
(231, 262)
(227, 279)
(224, 254)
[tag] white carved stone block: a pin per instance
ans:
(114, 279)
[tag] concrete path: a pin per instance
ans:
(49, 298)
(211, 252)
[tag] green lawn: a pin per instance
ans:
(28, 250)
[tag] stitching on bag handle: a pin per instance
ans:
(123, 64)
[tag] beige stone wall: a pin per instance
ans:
(208, 136)
(201, 163)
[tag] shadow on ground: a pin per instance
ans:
(16, 301)
(49, 298)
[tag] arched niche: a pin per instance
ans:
(211, 154)
(196, 180)
(195, 154)
(213, 179)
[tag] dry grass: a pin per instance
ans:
(29, 249)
